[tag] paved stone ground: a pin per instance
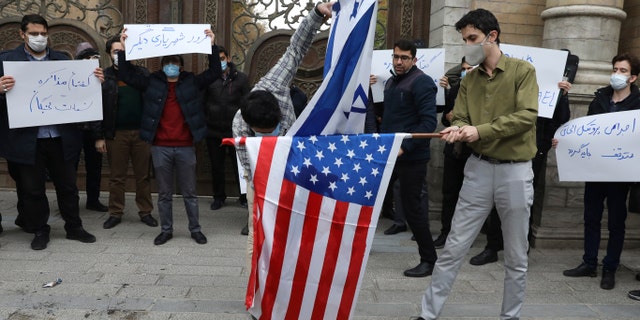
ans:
(124, 276)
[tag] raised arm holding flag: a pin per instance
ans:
(316, 195)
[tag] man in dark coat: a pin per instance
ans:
(34, 150)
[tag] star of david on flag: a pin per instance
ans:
(340, 104)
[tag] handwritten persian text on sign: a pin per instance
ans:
(549, 66)
(157, 40)
(601, 147)
(430, 61)
(53, 92)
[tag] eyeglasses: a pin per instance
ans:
(403, 58)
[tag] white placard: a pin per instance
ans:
(157, 40)
(53, 92)
(549, 64)
(430, 61)
(600, 148)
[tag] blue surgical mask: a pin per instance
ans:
(223, 65)
(171, 70)
(273, 133)
(463, 73)
(618, 81)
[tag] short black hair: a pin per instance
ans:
(111, 41)
(406, 45)
(86, 53)
(224, 50)
(480, 19)
(172, 58)
(34, 19)
(631, 58)
(260, 109)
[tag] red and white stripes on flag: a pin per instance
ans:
(314, 221)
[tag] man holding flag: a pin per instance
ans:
(268, 109)
(314, 195)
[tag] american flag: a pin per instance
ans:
(315, 213)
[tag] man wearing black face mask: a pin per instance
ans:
(118, 135)
(33, 150)
(172, 122)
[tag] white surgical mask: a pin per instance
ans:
(462, 74)
(474, 53)
(37, 43)
(115, 59)
(223, 65)
(618, 81)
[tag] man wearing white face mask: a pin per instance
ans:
(33, 150)
(222, 101)
(621, 95)
(173, 121)
(495, 114)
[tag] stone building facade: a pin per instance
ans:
(257, 32)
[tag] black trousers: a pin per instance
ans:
(452, 178)
(31, 185)
(411, 175)
(92, 165)
(217, 157)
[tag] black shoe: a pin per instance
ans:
(40, 241)
(484, 257)
(608, 280)
(421, 270)
(81, 235)
(149, 220)
(440, 241)
(162, 238)
(97, 206)
(395, 229)
(638, 276)
(199, 237)
(217, 204)
(243, 202)
(111, 222)
(245, 230)
(583, 270)
(634, 294)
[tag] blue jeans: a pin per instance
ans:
(594, 197)
(166, 161)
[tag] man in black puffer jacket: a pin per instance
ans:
(173, 121)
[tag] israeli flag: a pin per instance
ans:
(340, 104)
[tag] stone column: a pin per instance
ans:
(591, 30)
